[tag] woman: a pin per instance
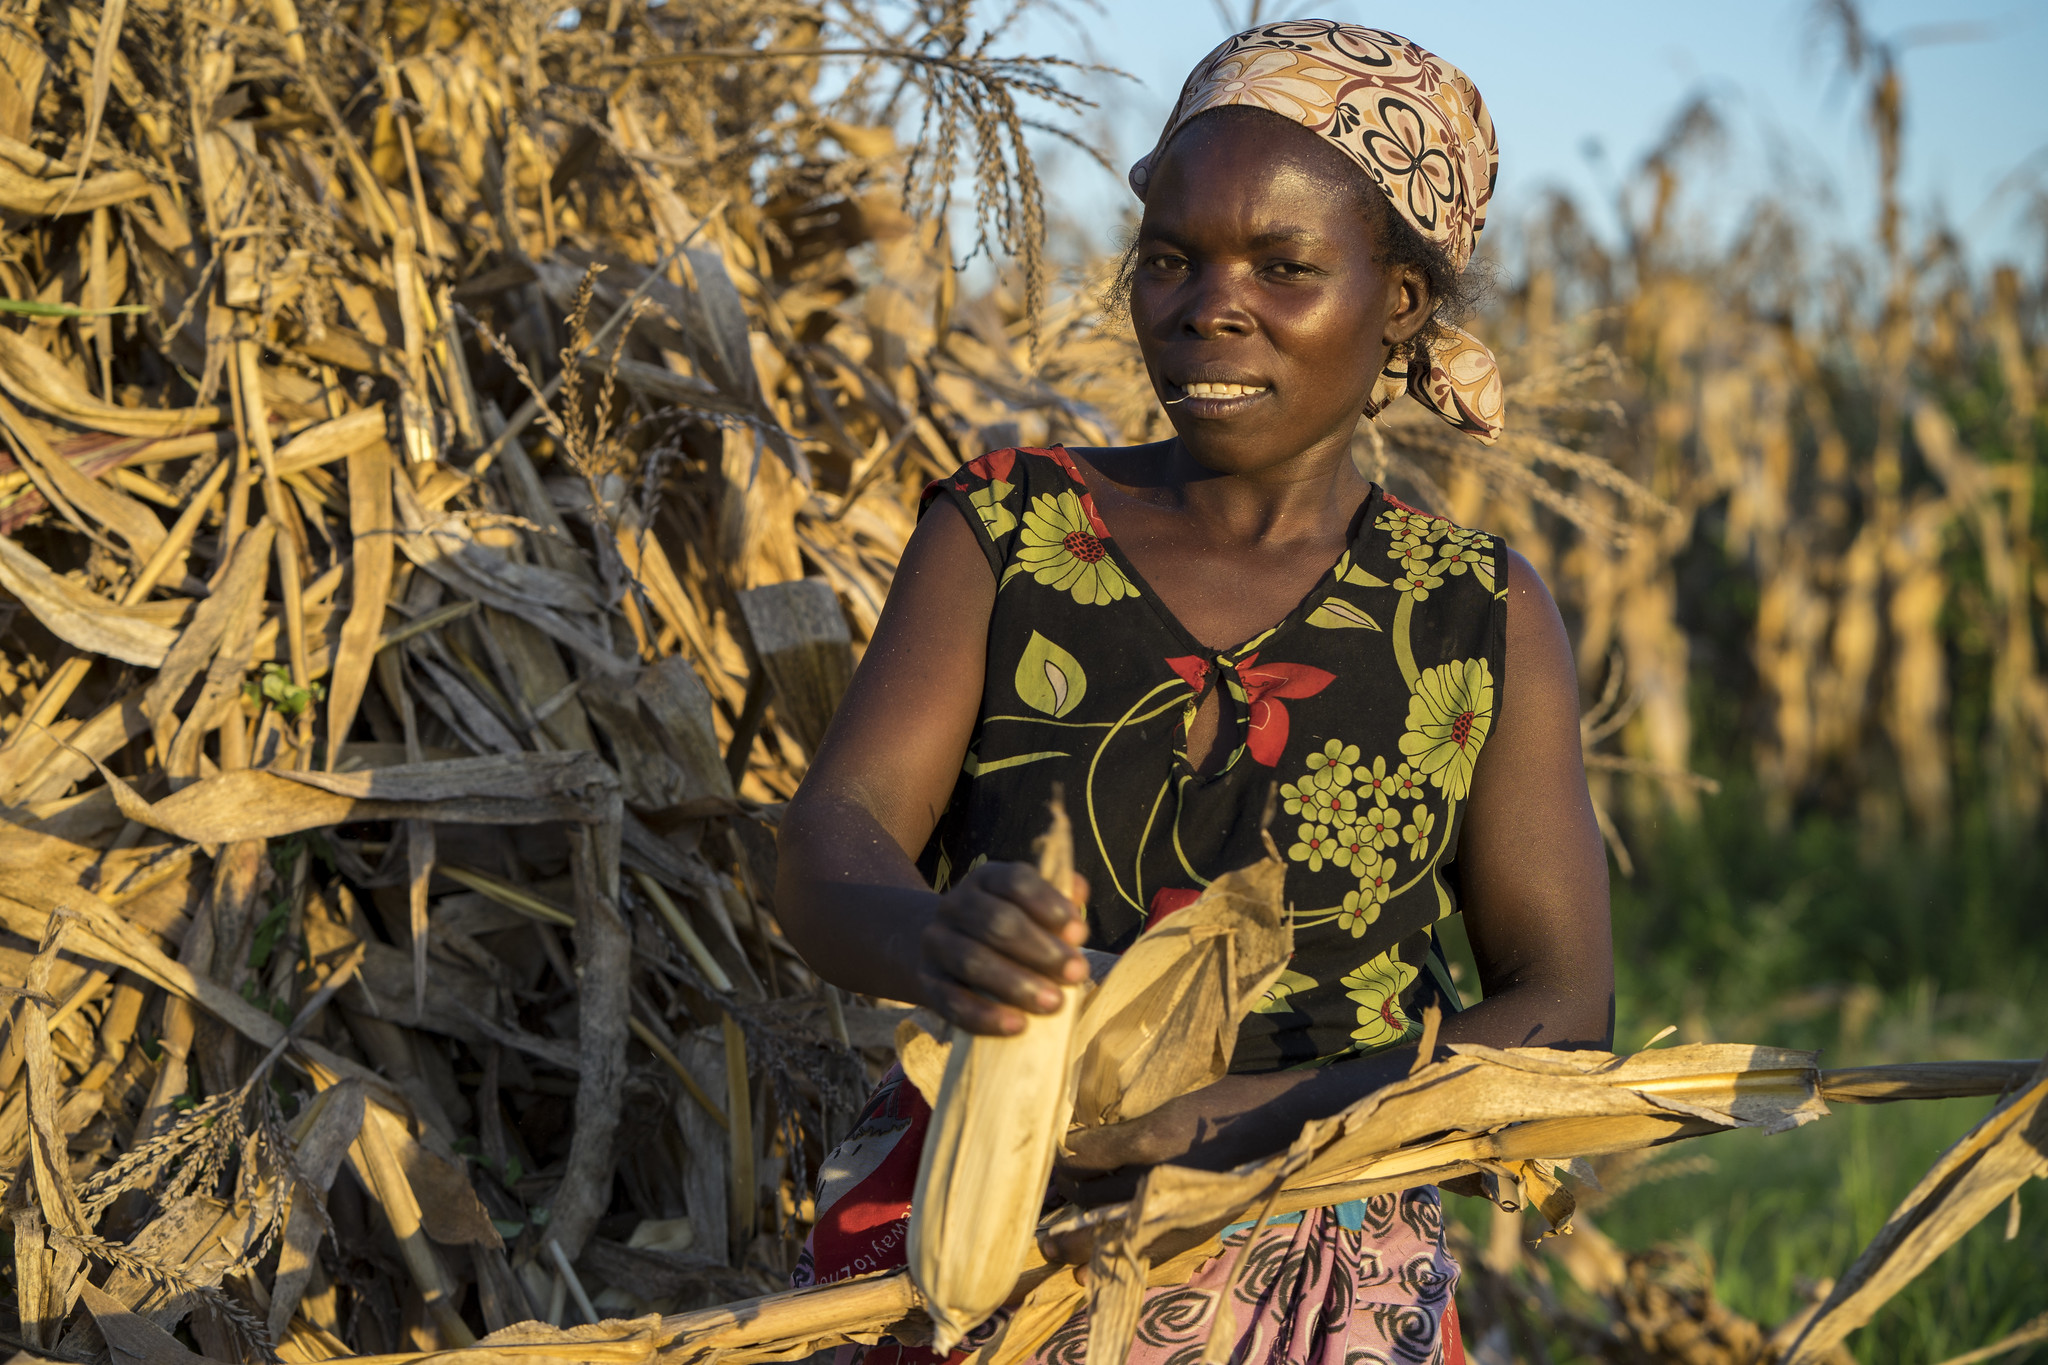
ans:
(1189, 634)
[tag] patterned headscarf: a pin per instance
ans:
(1412, 122)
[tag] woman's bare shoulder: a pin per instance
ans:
(1130, 467)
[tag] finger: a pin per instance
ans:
(980, 968)
(1116, 1187)
(1069, 1248)
(1011, 930)
(971, 1011)
(1021, 883)
(1076, 931)
(1092, 1151)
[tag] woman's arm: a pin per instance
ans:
(847, 892)
(1535, 905)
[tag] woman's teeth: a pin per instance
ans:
(1222, 390)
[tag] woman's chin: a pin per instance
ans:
(1242, 447)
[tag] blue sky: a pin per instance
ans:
(1582, 89)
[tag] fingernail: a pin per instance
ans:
(1076, 968)
(1048, 1000)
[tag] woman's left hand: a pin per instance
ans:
(1213, 1128)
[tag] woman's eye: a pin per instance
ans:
(1165, 261)
(1291, 270)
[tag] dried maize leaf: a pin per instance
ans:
(604, 950)
(241, 599)
(374, 1158)
(541, 679)
(675, 699)
(1116, 1291)
(800, 637)
(522, 789)
(553, 601)
(131, 1337)
(648, 778)
(994, 1132)
(29, 195)
(323, 1135)
(1980, 1172)
(922, 1055)
(38, 379)
(369, 489)
(60, 481)
(1164, 1021)
(81, 618)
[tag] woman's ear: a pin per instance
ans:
(1409, 303)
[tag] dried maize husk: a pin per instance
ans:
(1001, 1110)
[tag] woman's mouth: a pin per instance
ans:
(1214, 398)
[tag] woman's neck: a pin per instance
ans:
(1306, 497)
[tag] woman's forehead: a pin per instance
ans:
(1251, 148)
(1267, 182)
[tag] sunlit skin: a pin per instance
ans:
(1256, 268)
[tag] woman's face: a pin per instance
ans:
(1261, 312)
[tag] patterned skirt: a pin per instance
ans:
(1368, 1282)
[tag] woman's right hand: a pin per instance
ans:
(1002, 944)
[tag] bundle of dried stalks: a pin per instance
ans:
(451, 460)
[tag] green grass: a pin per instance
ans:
(1775, 1215)
(1804, 938)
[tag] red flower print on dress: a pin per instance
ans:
(1193, 670)
(1168, 899)
(1058, 455)
(995, 465)
(1265, 686)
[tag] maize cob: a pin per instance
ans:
(1001, 1109)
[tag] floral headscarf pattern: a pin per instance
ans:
(1417, 126)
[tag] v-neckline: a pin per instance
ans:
(1216, 658)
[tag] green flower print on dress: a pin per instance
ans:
(1322, 793)
(1376, 782)
(1376, 880)
(1417, 833)
(1356, 576)
(1464, 550)
(1405, 523)
(1332, 766)
(1061, 550)
(1276, 998)
(1376, 988)
(1049, 679)
(1418, 576)
(1359, 913)
(1337, 614)
(990, 504)
(1380, 825)
(1354, 847)
(1313, 845)
(1330, 805)
(1448, 719)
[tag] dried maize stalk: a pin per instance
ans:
(1002, 1107)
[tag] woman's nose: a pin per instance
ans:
(1215, 305)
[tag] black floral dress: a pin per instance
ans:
(1359, 718)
